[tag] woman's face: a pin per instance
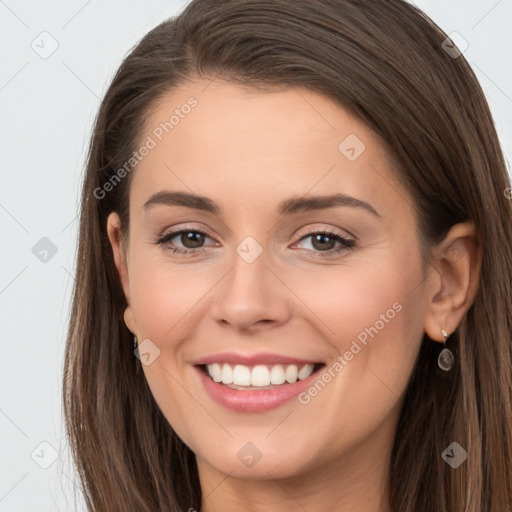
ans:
(286, 273)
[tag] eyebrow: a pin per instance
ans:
(287, 207)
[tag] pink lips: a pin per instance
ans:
(253, 400)
(252, 359)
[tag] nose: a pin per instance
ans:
(251, 296)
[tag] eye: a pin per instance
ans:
(192, 241)
(324, 241)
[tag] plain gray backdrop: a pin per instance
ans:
(56, 61)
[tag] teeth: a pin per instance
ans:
(227, 374)
(277, 374)
(259, 375)
(215, 372)
(242, 375)
(305, 371)
(291, 373)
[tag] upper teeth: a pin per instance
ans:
(259, 375)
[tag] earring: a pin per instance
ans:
(135, 342)
(445, 360)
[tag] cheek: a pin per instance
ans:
(166, 305)
(166, 296)
(374, 327)
(373, 322)
(348, 300)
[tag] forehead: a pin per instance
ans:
(230, 114)
(210, 135)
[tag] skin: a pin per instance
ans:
(248, 151)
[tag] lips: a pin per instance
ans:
(255, 382)
(251, 399)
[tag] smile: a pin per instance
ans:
(259, 376)
(256, 388)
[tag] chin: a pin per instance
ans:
(245, 461)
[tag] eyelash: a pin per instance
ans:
(346, 244)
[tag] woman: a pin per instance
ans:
(293, 278)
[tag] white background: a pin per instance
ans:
(47, 108)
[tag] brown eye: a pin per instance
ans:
(192, 239)
(325, 243)
(184, 241)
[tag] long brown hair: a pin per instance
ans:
(385, 62)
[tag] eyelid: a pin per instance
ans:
(317, 228)
(175, 230)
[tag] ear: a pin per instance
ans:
(454, 281)
(121, 262)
